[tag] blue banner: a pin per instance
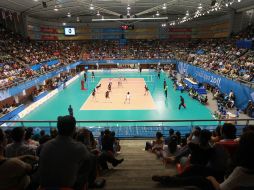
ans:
(247, 44)
(40, 96)
(112, 30)
(242, 92)
(49, 63)
(28, 84)
(130, 61)
(200, 52)
(13, 113)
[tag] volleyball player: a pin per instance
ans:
(82, 84)
(98, 87)
(94, 95)
(85, 76)
(166, 90)
(107, 96)
(159, 74)
(110, 81)
(128, 98)
(164, 83)
(109, 87)
(146, 90)
(70, 110)
(120, 84)
(93, 76)
(181, 103)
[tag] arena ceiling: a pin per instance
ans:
(59, 9)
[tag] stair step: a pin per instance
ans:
(136, 172)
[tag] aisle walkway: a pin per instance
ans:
(137, 169)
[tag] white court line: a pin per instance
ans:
(124, 76)
(124, 83)
(100, 94)
(122, 94)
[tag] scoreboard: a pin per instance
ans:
(127, 27)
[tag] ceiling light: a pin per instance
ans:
(226, 5)
(36, 0)
(78, 19)
(129, 19)
(98, 13)
(91, 7)
(64, 23)
(187, 13)
(69, 15)
(128, 7)
(164, 6)
(56, 8)
(157, 13)
(200, 6)
(239, 1)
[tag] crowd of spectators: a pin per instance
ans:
(218, 55)
(67, 158)
(221, 56)
(4, 109)
(18, 54)
(215, 160)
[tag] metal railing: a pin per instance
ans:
(134, 128)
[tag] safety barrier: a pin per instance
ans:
(134, 128)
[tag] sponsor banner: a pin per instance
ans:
(36, 98)
(13, 113)
(111, 30)
(140, 61)
(180, 36)
(48, 30)
(247, 44)
(180, 29)
(49, 63)
(48, 37)
(242, 92)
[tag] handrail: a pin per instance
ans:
(126, 121)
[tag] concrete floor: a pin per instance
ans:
(213, 107)
(137, 169)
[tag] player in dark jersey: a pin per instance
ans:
(146, 90)
(181, 103)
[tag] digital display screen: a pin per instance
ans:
(69, 31)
